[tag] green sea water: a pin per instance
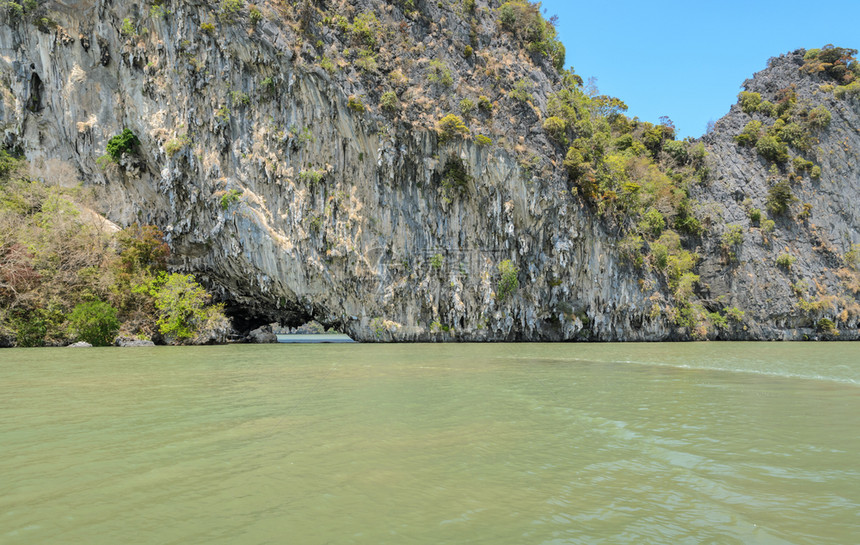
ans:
(696, 443)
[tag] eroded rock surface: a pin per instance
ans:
(290, 203)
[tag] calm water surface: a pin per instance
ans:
(716, 443)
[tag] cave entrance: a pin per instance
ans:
(255, 322)
(34, 98)
(310, 332)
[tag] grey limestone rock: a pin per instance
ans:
(132, 342)
(292, 205)
(263, 335)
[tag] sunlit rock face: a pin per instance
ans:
(291, 202)
(818, 231)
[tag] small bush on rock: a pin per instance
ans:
(508, 281)
(779, 198)
(388, 101)
(749, 101)
(772, 148)
(451, 126)
(125, 142)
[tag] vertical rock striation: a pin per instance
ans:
(291, 201)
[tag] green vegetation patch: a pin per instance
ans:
(364, 30)
(523, 19)
(125, 142)
(95, 322)
(731, 240)
(312, 176)
(785, 261)
(230, 198)
(836, 63)
(229, 10)
(438, 72)
(175, 145)
(355, 104)
(455, 176)
(779, 198)
(183, 307)
(64, 279)
(389, 101)
(508, 282)
(451, 126)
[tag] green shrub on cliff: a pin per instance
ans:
(467, 107)
(366, 29)
(483, 140)
(750, 134)
(239, 98)
(508, 282)
(451, 126)
(749, 101)
(652, 223)
(355, 104)
(523, 19)
(785, 261)
(779, 198)
(755, 216)
(849, 91)
(14, 10)
(388, 101)
(438, 72)
(767, 108)
(127, 28)
(312, 176)
(772, 148)
(556, 128)
(838, 63)
(678, 151)
(801, 165)
(630, 250)
(826, 326)
(255, 15)
(852, 257)
(455, 176)
(229, 9)
(731, 239)
(125, 142)
(7, 163)
(522, 90)
(793, 134)
(230, 198)
(175, 145)
(819, 117)
(366, 61)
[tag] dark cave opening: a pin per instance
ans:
(34, 99)
(284, 323)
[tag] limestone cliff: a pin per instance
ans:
(802, 268)
(292, 153)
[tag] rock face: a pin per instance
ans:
(786, 302)
(263, 335)
(293, 196)
(127, 342)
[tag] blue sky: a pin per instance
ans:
(687, 60)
